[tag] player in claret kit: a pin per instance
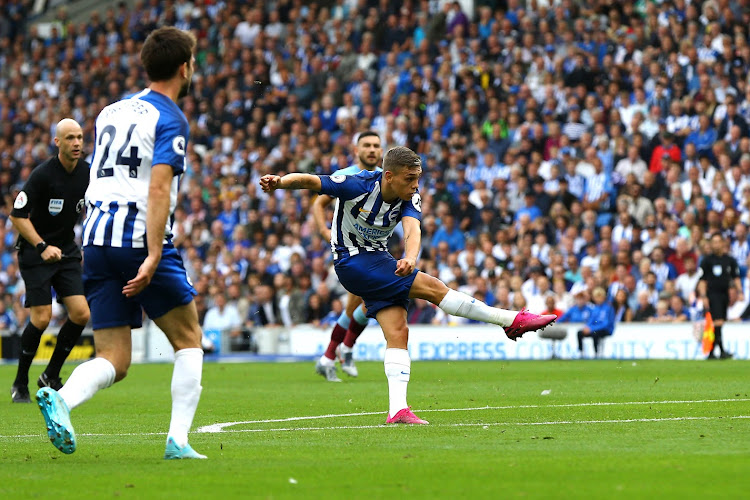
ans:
(368, 207)
(369, 153)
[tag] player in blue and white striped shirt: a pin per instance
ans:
(369, 153)
(368, 207)
(130, 263)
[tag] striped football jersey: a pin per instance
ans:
(362, 220)
(131, 135)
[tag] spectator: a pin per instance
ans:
(222, 317)
(600, 323)
(645, 310)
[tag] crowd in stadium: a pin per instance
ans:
(567, 145)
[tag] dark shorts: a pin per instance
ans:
(718, 303)
(371, 275)
(106, 270)
(63, 276)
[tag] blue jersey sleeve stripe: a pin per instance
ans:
(127, 234)
(113, 206)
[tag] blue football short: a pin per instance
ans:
(371, 275)
(106, 270)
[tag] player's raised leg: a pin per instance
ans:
(397, 365)
(458, 303)
(183, 331)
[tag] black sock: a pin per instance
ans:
(66, 340)
(29, 344)
(717, 339)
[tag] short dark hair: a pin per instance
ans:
(165, 50)
(399, 157)
(367, 133)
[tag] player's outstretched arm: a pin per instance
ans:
(270, 183)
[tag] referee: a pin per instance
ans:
(719, 272)
(44, 214)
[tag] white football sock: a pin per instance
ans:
(327, 362)
(186, 392)
(397, 370)
(460, 304)
(86, 380)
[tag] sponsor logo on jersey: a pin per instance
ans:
(717, 270)
(21, 200)
(363, 211)
(55, 206)
(178, 144)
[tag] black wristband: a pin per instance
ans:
(41, 247)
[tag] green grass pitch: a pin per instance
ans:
(605, 429)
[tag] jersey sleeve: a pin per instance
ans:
(27, 196)
(413, 207)
(345, 187)
(704, 269)
(170, 143)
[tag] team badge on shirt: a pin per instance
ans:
(55, 206)
(178, 145)
(416, 200)
(338, 179)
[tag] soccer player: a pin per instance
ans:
(130, 262)
(345, 332)
(368, 207)
(45, 213)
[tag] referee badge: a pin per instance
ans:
(55, 206)
(21, 201)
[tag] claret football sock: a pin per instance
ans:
(337, 335)
(460, 304)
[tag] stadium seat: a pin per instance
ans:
(555, 334)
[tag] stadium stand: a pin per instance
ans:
(567, 145)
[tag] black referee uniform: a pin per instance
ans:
(52, 200)
(719, 272)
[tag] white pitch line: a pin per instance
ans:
(488, 424)
(213, 428)
(219, 428)
(386, 426)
